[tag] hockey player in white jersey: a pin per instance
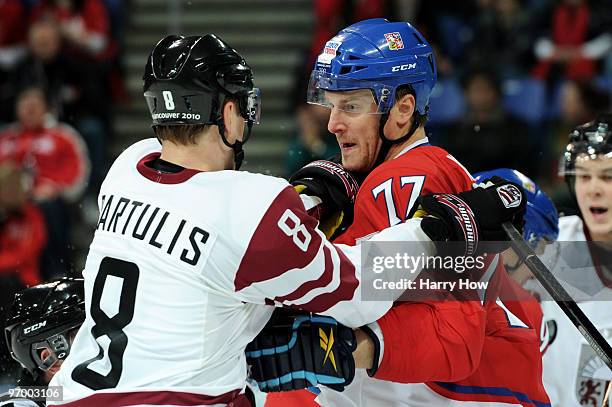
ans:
(189, 254)
(573, 374)
(39, 331)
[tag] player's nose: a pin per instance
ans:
(336, 123)
(595, 187)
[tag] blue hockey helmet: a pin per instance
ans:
(378, 55)
(541, 218)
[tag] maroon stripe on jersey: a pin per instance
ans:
(322, 281)
(344, 292)
(173, 398)
(163, 177)
(272, 251)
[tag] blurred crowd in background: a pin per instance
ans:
(514, 76)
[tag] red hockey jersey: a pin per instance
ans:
(472, 352)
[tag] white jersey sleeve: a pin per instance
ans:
(181, 274)
(289, 262)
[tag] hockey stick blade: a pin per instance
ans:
(551, 284)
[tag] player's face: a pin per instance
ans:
(48, 375)
(594, 195)
(356, 127)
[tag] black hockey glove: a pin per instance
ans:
(335, 186)
(296, 350)
(473, 216)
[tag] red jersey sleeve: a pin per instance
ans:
(428, 341)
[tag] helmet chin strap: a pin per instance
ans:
(237, 146)
(386, 143)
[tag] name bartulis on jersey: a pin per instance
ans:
(153, 225)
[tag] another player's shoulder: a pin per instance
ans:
(571, 228)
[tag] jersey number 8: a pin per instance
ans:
(299, 233)
(111, 327)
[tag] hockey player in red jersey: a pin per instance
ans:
(376, 78)
(189, 254)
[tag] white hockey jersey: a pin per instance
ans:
(573, 374)
(181, 274)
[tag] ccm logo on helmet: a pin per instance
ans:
(404, 67)
(34, 327)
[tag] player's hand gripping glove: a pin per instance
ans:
(296, 350)
(473, 216)
(335, 187)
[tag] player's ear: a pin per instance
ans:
(230, 115)
(404, 109)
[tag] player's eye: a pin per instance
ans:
(583, 177)
(352, 108)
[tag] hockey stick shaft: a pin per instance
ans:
(551, 284)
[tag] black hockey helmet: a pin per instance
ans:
(42, 317)
(591, 140)
(187, 80)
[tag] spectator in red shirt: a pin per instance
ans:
(53, 151)
(55, 156)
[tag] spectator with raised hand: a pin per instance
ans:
(575, 38)
(84, 23)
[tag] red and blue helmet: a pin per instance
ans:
(378, 55)
(541, 218)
